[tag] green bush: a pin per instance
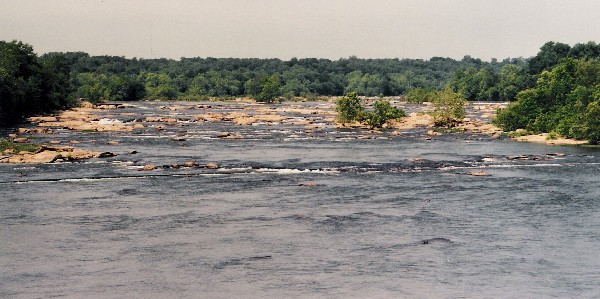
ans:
(382, 112)
(349, 108)
(419, 95)
(448, 108)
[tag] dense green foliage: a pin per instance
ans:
(502, 82)
(565, 100)
(448, 108)
(381, 113)
(555, 91)
(29, 85)
(350, 109)
(97, 78)
(419, 95)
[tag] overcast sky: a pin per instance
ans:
(299, 28)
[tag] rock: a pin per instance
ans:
(478, 173)
(133, 152)
(39, 119)
(310, 184)
(22, 130)
(112, 142)
(160, 119)
(212, 165)
(21, 140)
(109, 106)
(9, 151)
(50, 154)
(433, 133)
(86, 104)
(12, 135)
(269, 117)
(178, 138)
(149, 167)
(244, 121)
(190, 164)
(223, 134)
(54, 142)
(106, 155)
(210, 117)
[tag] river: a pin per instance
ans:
(292, 213)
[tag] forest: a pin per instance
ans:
(560, 80)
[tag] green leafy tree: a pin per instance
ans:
(419, 95)
(382, 112)
(349, 108)
(270, 89)
(448, 108)
(549, 56)
(565, 100)
(28, 86)
(160, 86)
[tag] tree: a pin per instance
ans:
(160, 86)
(27, 86)
(448, 108)
(419, 95)
(511, 80)
(565, 100)
(349, 108)
(270, 89)
(549, 56)
(382, 112)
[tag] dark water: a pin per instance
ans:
(297, 214)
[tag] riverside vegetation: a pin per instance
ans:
(557, 91)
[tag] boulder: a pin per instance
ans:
(190, 163)
(478, 173)
(21, 140)
(149, 167)
(39, 119)
(210, 117)
(160, 119)
(106, 155)
(244, 121)
(212, 165)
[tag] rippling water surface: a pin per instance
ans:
(292, 213)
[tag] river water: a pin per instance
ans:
(295, 213)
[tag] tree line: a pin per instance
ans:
(31, 84)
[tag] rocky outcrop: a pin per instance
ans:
(81, 119)
(160, 119)
(544, 138)
(412, 121)
(50, 154)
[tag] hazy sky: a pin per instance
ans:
(299, 28)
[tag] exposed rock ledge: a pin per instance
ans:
(50, 154)
(543, 138)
